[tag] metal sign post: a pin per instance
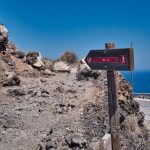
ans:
(112, 59)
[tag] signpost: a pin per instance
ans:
(112, 59)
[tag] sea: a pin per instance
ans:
(140, 81)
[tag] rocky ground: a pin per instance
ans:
(51, 105)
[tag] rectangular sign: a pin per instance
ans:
(111, 59)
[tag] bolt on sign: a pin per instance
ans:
(111, 59)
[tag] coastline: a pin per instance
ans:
(141, 80)
(141, 99)
(141, 95)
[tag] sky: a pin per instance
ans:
(55, 26)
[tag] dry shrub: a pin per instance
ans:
(69, 57)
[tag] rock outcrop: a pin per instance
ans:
(18, 54)
(3, 37)
(84, 71)
(61, 67)
(11, 80)
(34, 59)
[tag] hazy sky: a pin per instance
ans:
(54, 26)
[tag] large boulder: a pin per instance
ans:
(18, 54)
(84, 71)
(38, 63)
(11, 80)
(31, 57)
(76, 141)
(7, 60)
(61, 66)
(3, 37)
(34, 59)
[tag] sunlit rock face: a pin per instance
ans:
(3, 37)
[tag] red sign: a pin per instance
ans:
(105, 59)
(122, 59)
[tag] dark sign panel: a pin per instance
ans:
(111, 59)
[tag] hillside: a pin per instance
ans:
(48, 104)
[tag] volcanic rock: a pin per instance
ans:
(15, 92)
(76, 141)
(3, 37)
(38, 63)
(18, 54)
(34, 59)
(12, 80)
(61, 66)
(50, 145)
(84, 72)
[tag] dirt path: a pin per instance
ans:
(29, 117)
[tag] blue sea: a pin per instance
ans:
(141, 81)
